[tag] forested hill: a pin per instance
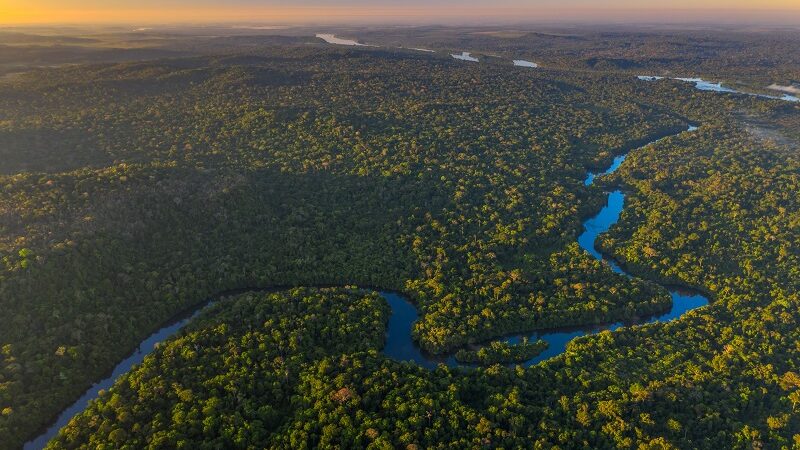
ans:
(132, 192)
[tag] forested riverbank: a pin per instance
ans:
(458, 184)
(340, 189)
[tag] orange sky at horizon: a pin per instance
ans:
(19, 12)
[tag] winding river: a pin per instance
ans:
(399, 343)
(401, 347)
(705, 85)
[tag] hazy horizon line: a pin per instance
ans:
(410, 16)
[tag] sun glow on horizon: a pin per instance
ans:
(16, 12)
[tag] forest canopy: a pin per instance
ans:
(134, 191)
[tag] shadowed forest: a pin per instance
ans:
(143, 173)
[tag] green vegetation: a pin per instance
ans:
(132, 192)
(738, 195)
(175, 180)
(499, 352)
(229, 380)
(744, 59)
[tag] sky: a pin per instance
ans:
(19, 12)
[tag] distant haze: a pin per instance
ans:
(393, 11)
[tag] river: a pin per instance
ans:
(331, 39)
(399, 343)
(705, 85)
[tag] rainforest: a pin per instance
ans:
(226, 237)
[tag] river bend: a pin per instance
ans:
(399, 343)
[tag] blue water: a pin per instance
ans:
(704, 85)
(618, 160)
(145, 348)
(599, 224)
(400, 345)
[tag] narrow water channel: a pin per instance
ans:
(399, 342)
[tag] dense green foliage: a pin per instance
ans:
(500, 352)
(132, 192)
(229, 380)
(745, 59)
(739, 198)
(175, 180)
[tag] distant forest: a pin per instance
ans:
(166, 168)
